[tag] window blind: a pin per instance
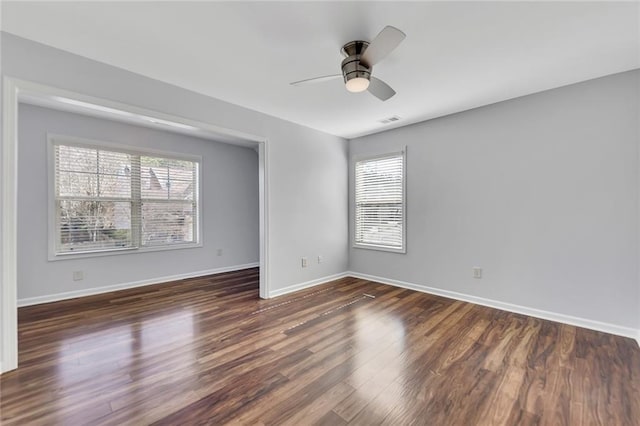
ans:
(379, 202)
(168, 200)
(107, 199)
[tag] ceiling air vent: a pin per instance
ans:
(389, 119)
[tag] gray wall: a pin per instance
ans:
(307, 171)
(229, 206)
(540, 191)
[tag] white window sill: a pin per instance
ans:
(120, 251)
(402, 250)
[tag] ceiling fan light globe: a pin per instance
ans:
(358, 84)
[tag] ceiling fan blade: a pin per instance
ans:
(384, 43)
(316, 80)
(380, 89)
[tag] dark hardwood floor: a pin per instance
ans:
(209, 351)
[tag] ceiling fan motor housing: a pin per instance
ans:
(351, 65)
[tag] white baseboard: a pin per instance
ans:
(307, 284)
(524, 310)
(123, 286)
(518, 309)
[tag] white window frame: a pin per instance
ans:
(55, 139)
(377, 247)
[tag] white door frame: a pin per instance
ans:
(12, 90)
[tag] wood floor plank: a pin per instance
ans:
(208, 350)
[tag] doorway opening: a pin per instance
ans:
(20, 92)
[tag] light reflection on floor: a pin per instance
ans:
(120, 351)
(376, 375)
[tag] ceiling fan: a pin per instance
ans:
(360, 57)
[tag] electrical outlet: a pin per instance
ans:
(305, 263)
(78, 275)
(477, 272)
(219, 252)
(320, 259)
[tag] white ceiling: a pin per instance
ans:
(457, 55)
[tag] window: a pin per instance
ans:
(380, 203)
(110, 199)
